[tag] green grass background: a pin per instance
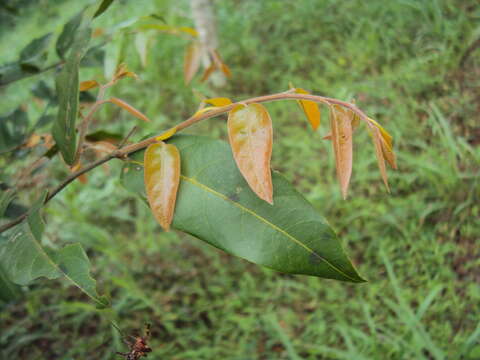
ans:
(418, 246)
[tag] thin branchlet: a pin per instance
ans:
(123, 152)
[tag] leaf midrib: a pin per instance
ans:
(262, 219)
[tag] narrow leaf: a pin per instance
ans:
(67, 36)
(310, 108)
(87, 85)
(191, 61)
(251, 135)
(220, 101)
(208, 71)
(162, 177)
(103, 7)
(67, 86)
(214, 203)
(377, 141)
(175, 30)
(24, 259)
(129, 108)
(167, 134)
(341, 124)
(141, 45)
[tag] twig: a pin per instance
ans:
(125, 139)
(122, 153)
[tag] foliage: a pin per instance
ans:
(426, 229)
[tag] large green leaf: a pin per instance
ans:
(24, 259)
(67, 36)
(13, 129)
(216, 205)
(67, 90)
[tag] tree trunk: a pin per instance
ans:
(204, 18)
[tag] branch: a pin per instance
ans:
(122, 153)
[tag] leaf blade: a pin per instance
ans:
(310, 108)
(289, 237)
(251, 136)
(129, 108)
(162, 177)
(191, 62)
(341, 124)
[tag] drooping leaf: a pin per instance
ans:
(67, 36)
(310, 108)
(103, 7)
(13, 129)
(24, 259)
(342, 142)
(215, 204)
(387, 144)
(377, 141)
(162, 177)
(88, 84)
(33, 56)
(129, 108)
(191, 62)
(208, 71)
(67, 85)
(220, 101)
(251, 135)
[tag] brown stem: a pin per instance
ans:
(123, 152)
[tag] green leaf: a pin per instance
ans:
(6, 198)
(67, 86)
(216, 205)
(102, 8)
(24, 259)
(67, 36)
(8, 290)
(13, 130)
(33, 56)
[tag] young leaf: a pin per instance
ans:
(192, 61)
(220, 101)
(24, 259)
(67, 85)
(377, 141)
(341, 124)
(87, 85)
(251, 135)
(387, 144)
(162, 176)
(310, 108)
(129, 108)
(215, 204)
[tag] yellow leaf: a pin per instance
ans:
(250, 133)
(341, 124)
(170, 29)
(191, 61)
(87, 85)
(387, 144)
(167, 134)
(122, 71)
(310, 108)
(162, 177)
(205, 110)
(220, 101)
(129, 108)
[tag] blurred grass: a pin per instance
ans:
(418, 246)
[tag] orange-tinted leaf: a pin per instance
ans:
(208, 71)
(377, 141)
(129, 108)
(87, 85)
(387, 144)
(82, 178)
(328, 136)
(220, 101)
(191, 62)
(341, 124)
(122, 71)
(32, 141)
(103, 147)
(226, 70)
(162, 176)
(251, 135)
